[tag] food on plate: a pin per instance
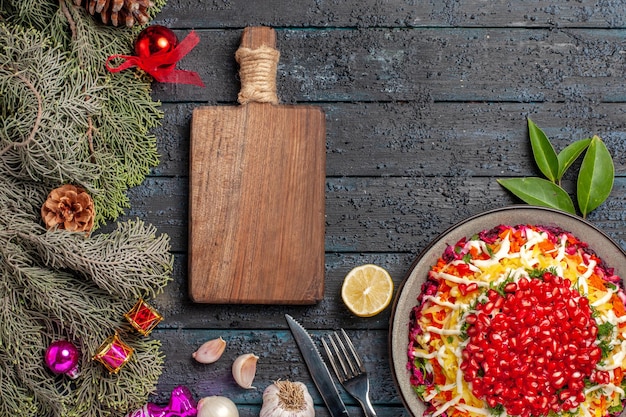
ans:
(519, 320)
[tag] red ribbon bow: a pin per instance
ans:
(162, 66)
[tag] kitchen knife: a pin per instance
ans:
(317, 368)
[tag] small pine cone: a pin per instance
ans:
(118, 12)
(68, 207)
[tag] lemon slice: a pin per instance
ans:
(367, 290)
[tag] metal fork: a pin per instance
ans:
(349, 369)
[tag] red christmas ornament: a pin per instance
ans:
(155, 40)
(143, 317)
(157, 51)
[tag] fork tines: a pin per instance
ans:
(343, 357)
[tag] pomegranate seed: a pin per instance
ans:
(470, 319)
(484, 320)
(492, 295)
(472, 348)
(576, 386)
(462, 289)
(488, 308)
(532, 349)
(595, 354)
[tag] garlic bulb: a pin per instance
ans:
(217, 406)
(210, 351)
(244, 370)
(287, 399)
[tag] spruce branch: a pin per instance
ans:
(70, 19)
(26, 340)
(132, 251)
(54, 153)
(85, 312)
(63, 120)
(31, 137)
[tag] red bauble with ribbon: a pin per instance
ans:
(157, 51)
(155, 40)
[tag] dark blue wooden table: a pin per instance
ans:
(426, 105)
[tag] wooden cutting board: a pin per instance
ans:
(257, 183)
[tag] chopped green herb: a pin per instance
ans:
(606, 348)
(605, 329)
(497, 410)
(536, 273)
(594, 311)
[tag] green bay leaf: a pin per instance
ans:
(543, 152)
(539, 192)
(596, 176)
(569, 154)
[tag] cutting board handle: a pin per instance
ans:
(258, 62)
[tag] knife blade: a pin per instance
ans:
(317, 368)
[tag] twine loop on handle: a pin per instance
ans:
(257, 73)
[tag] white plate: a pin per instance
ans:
(609, 251)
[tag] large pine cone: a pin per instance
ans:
(117, 12)
(68, 207)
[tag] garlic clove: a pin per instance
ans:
(210, 351)
(217, 406)
(244, 370)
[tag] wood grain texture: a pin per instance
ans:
(378, 214)
(430, 139)
(330, 313)
(395, 13)
(256, 215)
(257, 204)
(440, 64)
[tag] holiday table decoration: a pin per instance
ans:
(182, 404)
(68, 207)
(143, 317)
(113, 353)
(158, 51)
(62, 357)
(69, 126)
(119, 12)
(155, 40)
